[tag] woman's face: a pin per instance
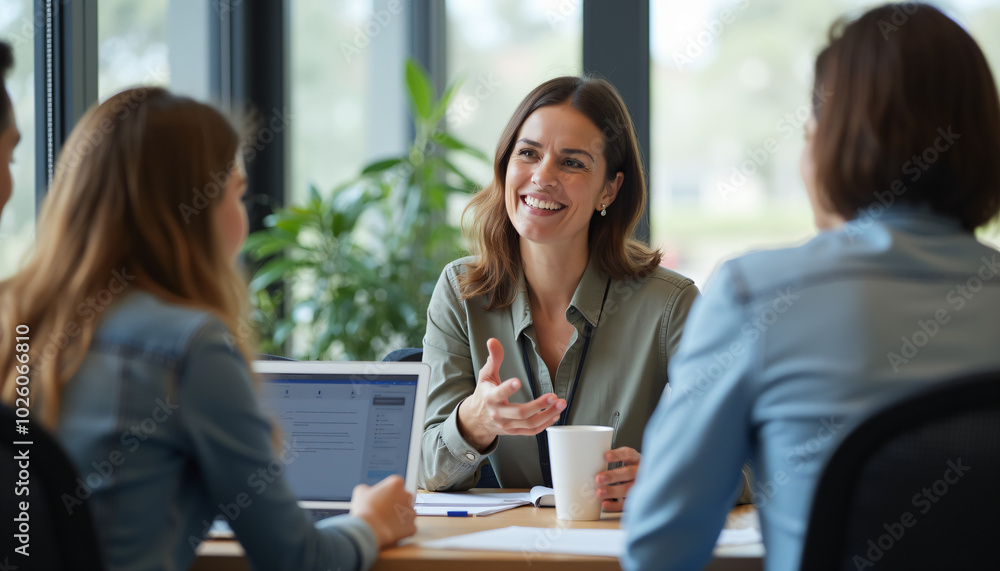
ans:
(823, 216)
(556, 177)
(231, 215)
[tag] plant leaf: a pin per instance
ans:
(421, 90)
(380, 166)
(441, 107)
(273, 271)
(449, 142)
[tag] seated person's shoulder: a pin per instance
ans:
(455, 269)
(458, 267)
(146, 323)
(669, 280)
(761, 272)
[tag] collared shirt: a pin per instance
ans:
(784, 354)
(624, 373)
(162, 423)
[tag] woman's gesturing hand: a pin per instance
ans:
(488, 413)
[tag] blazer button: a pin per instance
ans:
(470, 455)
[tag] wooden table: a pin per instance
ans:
(409, 556)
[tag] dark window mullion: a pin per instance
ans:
(616, 47)
(65, 78)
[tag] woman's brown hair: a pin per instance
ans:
(131, 206)
(494, 240)
(907, 112)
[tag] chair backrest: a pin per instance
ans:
(59, 530)
(915, 486)
(408, 354)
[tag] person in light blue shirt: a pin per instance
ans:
(133, 335)
(789, 349)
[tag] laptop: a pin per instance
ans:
(344, 423)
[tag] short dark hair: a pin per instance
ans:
(907, 111)
(6, 62)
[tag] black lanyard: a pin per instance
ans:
(542, 437)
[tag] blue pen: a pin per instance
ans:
(458, 514)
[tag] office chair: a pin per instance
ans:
(409, 354)
(266, 357)
(59, 537)
(916, 486)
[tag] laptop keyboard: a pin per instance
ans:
(318, 514)
(220, 527)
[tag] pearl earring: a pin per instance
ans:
(604, 211)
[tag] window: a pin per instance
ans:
(731, 83)
(503, 50)
(346, 90)
(18, 222)
(131, 45)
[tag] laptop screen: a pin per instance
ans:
(341, 429)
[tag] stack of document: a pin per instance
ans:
(465, 504)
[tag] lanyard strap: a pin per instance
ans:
(542, 437)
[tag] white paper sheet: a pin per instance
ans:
(468, 510)
(601, 542)
(738, 537)
(481, 504)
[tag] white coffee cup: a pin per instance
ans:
(576, 456)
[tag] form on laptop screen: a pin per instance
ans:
(341, 430)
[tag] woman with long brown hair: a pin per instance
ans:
(587, 318)
(139, 350)
(894, 296)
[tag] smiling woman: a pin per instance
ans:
(557, 278)
(554, 185)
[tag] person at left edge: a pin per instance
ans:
(9, 134)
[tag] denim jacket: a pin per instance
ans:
(786, 352)
(163, 425)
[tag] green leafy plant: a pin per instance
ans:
(354, 268)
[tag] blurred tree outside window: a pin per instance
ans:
(731, 85)
(132, 46)
(503, 49)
